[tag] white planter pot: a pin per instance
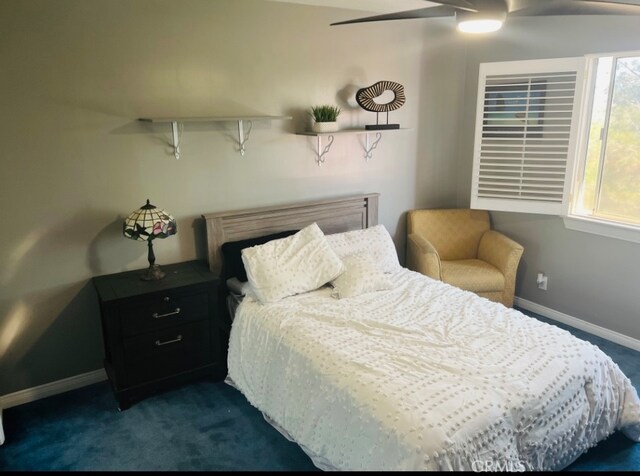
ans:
(324, 127)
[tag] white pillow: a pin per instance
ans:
(375, 240)
(293, 265)
(360, 276)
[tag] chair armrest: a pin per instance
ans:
(501, 252)
(422, 256)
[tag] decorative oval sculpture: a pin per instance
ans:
(365, 96)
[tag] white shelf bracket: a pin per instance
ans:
(320, 156)
(370, 146)
(176, 135)
(243, 137)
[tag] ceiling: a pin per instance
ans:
(378, 6)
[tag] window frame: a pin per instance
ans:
(572, 219)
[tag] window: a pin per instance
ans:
(608, 178)
(562, 137)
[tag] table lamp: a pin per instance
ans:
(147, 224)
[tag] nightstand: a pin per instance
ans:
(160, 333)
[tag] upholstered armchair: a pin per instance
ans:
(457, 246)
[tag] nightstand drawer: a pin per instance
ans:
(162, 310)
(168, 351)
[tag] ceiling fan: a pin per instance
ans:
(484, 16)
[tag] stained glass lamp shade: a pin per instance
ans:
(147, 224)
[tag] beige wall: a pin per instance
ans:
(590, 277)
(74, 161)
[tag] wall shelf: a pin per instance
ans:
(177, 124)
(368, 147)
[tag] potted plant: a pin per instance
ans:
(325, 118)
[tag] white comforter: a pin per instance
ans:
(426, 377)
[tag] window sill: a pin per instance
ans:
(603, 228)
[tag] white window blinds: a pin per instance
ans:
(526, 128)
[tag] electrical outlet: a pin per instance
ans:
(541, 281)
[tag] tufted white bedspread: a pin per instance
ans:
(426, 377)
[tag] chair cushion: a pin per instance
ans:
(473, 275)
(455, 233)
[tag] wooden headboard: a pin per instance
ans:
(331, 215)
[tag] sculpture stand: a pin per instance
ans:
(379, 127)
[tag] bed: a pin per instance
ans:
(419, 376)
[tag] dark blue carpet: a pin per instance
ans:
(202, 426)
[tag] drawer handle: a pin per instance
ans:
(177, 339)
(155, 315)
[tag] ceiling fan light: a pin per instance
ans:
(489, 18)
(485, 25)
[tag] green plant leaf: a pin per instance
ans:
(325, 113)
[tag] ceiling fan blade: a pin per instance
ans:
(429, 12)
(583, 7)
(459, 4)
(622, 2)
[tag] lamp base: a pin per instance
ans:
(153, 273)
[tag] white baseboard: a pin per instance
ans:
(52, 388)
(610, 335)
